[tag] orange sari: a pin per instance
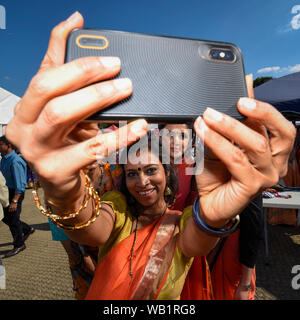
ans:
(154, 274)
(152, 256)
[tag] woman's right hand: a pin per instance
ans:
(47, 126)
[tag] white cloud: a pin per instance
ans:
(277, 69)
(295, 22)
(268, 69)
(295, 68)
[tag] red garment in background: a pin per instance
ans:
(185, 196)
(227, 271)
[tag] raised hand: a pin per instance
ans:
(244, 158)
(47, 126)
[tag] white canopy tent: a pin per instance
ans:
(8, 101)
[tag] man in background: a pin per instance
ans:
(4, 202)
(13, 169)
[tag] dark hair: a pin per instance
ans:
(171, 176)
(6, 141)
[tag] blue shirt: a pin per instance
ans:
(13, 167)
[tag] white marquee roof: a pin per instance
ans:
(8, 101)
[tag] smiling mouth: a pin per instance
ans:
(145, 193)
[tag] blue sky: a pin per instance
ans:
(267, 31)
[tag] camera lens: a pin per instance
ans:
(229, 55)
(221, 55)
(214, 54)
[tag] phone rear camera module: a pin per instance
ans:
(92, 42)
(222, 55)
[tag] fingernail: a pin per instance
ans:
(110, 62)
(200, 124)
(106, 89)
(213, 114)
(73, 16)
(123, 84)
(247, 103)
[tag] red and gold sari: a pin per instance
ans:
(159, 268)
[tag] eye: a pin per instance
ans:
(131, 174)
(151, 170)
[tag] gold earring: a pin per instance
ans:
(168, 191)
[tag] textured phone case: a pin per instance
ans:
(173, 78)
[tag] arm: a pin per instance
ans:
(243, 158)
(50, 135)
(242, 291)
(251, 231)
(18, 172)
(19, 175)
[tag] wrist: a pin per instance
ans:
(224, 231)
(213, 222)
(66, 197)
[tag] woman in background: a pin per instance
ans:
(62, 95)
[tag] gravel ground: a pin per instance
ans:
(41, 271)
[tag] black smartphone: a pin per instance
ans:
(174, 79)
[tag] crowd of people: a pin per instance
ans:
(143, 227)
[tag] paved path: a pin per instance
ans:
(41, 271)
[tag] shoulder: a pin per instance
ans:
(116, 197)
(182, 216)
(16, 159)
(117, 201)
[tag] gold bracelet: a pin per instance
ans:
(96, 213)
(49, 213)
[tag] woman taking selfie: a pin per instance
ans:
(48, 130)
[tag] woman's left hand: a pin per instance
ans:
(244, 158)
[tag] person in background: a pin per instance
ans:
(178, 142)
(4, 200)
(13, 169)
(82, 261)
(140, 245)
(82, 258)
(233, 260)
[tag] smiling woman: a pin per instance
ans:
(139, 258)
(147, 179)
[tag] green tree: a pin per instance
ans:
(260, 80)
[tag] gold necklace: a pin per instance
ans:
(134, 240)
